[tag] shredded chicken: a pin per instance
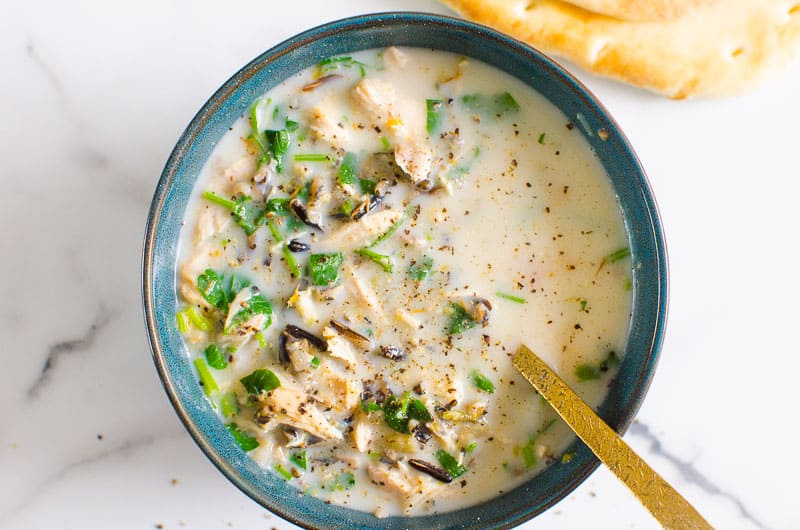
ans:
(291, 406)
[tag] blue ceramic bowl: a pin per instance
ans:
(374, 31)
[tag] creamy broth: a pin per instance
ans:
(419, 216)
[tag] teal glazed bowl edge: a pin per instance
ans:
(376, 31)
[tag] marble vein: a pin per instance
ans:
(690, 473)
(127, 448)
(69, 347)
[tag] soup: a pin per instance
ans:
(365, 251)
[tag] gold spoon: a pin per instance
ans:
(662, 500)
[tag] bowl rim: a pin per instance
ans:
(195, 126)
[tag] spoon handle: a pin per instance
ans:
(662, 500)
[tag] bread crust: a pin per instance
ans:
(719, 49)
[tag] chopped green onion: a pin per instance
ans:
(334, 63)
(420, 269)
(529, 449)
(348, 169)
(586, 372)
(471, 447)
(435, 108)
(511, 297)
(583, 302)
(313, 157)
(183, 321)
(381, 259)
(392, 229)
(206, 379)
(450, 464)
(262, 380)
(229, 405)
(276, 234)
(294, 268)
(216, 359)
(324, 268)
(541, 138)
(291, 125)
(282, 472)
(299, 459)
(385, 143)
(315, 362)
(618, 255)
(261, 340)
(200, 322)
(482, 382)
(245, 441)
(255, 134)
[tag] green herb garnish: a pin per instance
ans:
(182, 321)
(541, 138)
(482, 382)
(367, 186)
(255, 305)
(344, 481)
(586, 372)
(299, 459)
(294, 268)
(334, 63)
(383, 260)
(499, 104)
(450, 464)
(420, 269)
(324, 268)
(244, 212)
(511, 297)
(255, 134)
(504, 102)
(262, 380)
(370, 406)
(245, 441)
(435, 108)
(398, 412)
(460, 320)
(618, 255)
(348, 169)
(529, 449)
(313, 157)
(278, 143)
(315, 362)
(291, 125)
(287, 475)
(471, 447)
(216, 359)
(229, 405)
(393, 228)
(206, 379)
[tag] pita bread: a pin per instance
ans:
(641, 10)
(718, 49)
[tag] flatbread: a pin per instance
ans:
(641, 10)
(719, 49)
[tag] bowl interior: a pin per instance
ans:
(375, 31)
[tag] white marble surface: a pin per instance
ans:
(92, 98)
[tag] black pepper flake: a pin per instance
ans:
(570, 126)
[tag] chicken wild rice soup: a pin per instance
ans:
(364, 252)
